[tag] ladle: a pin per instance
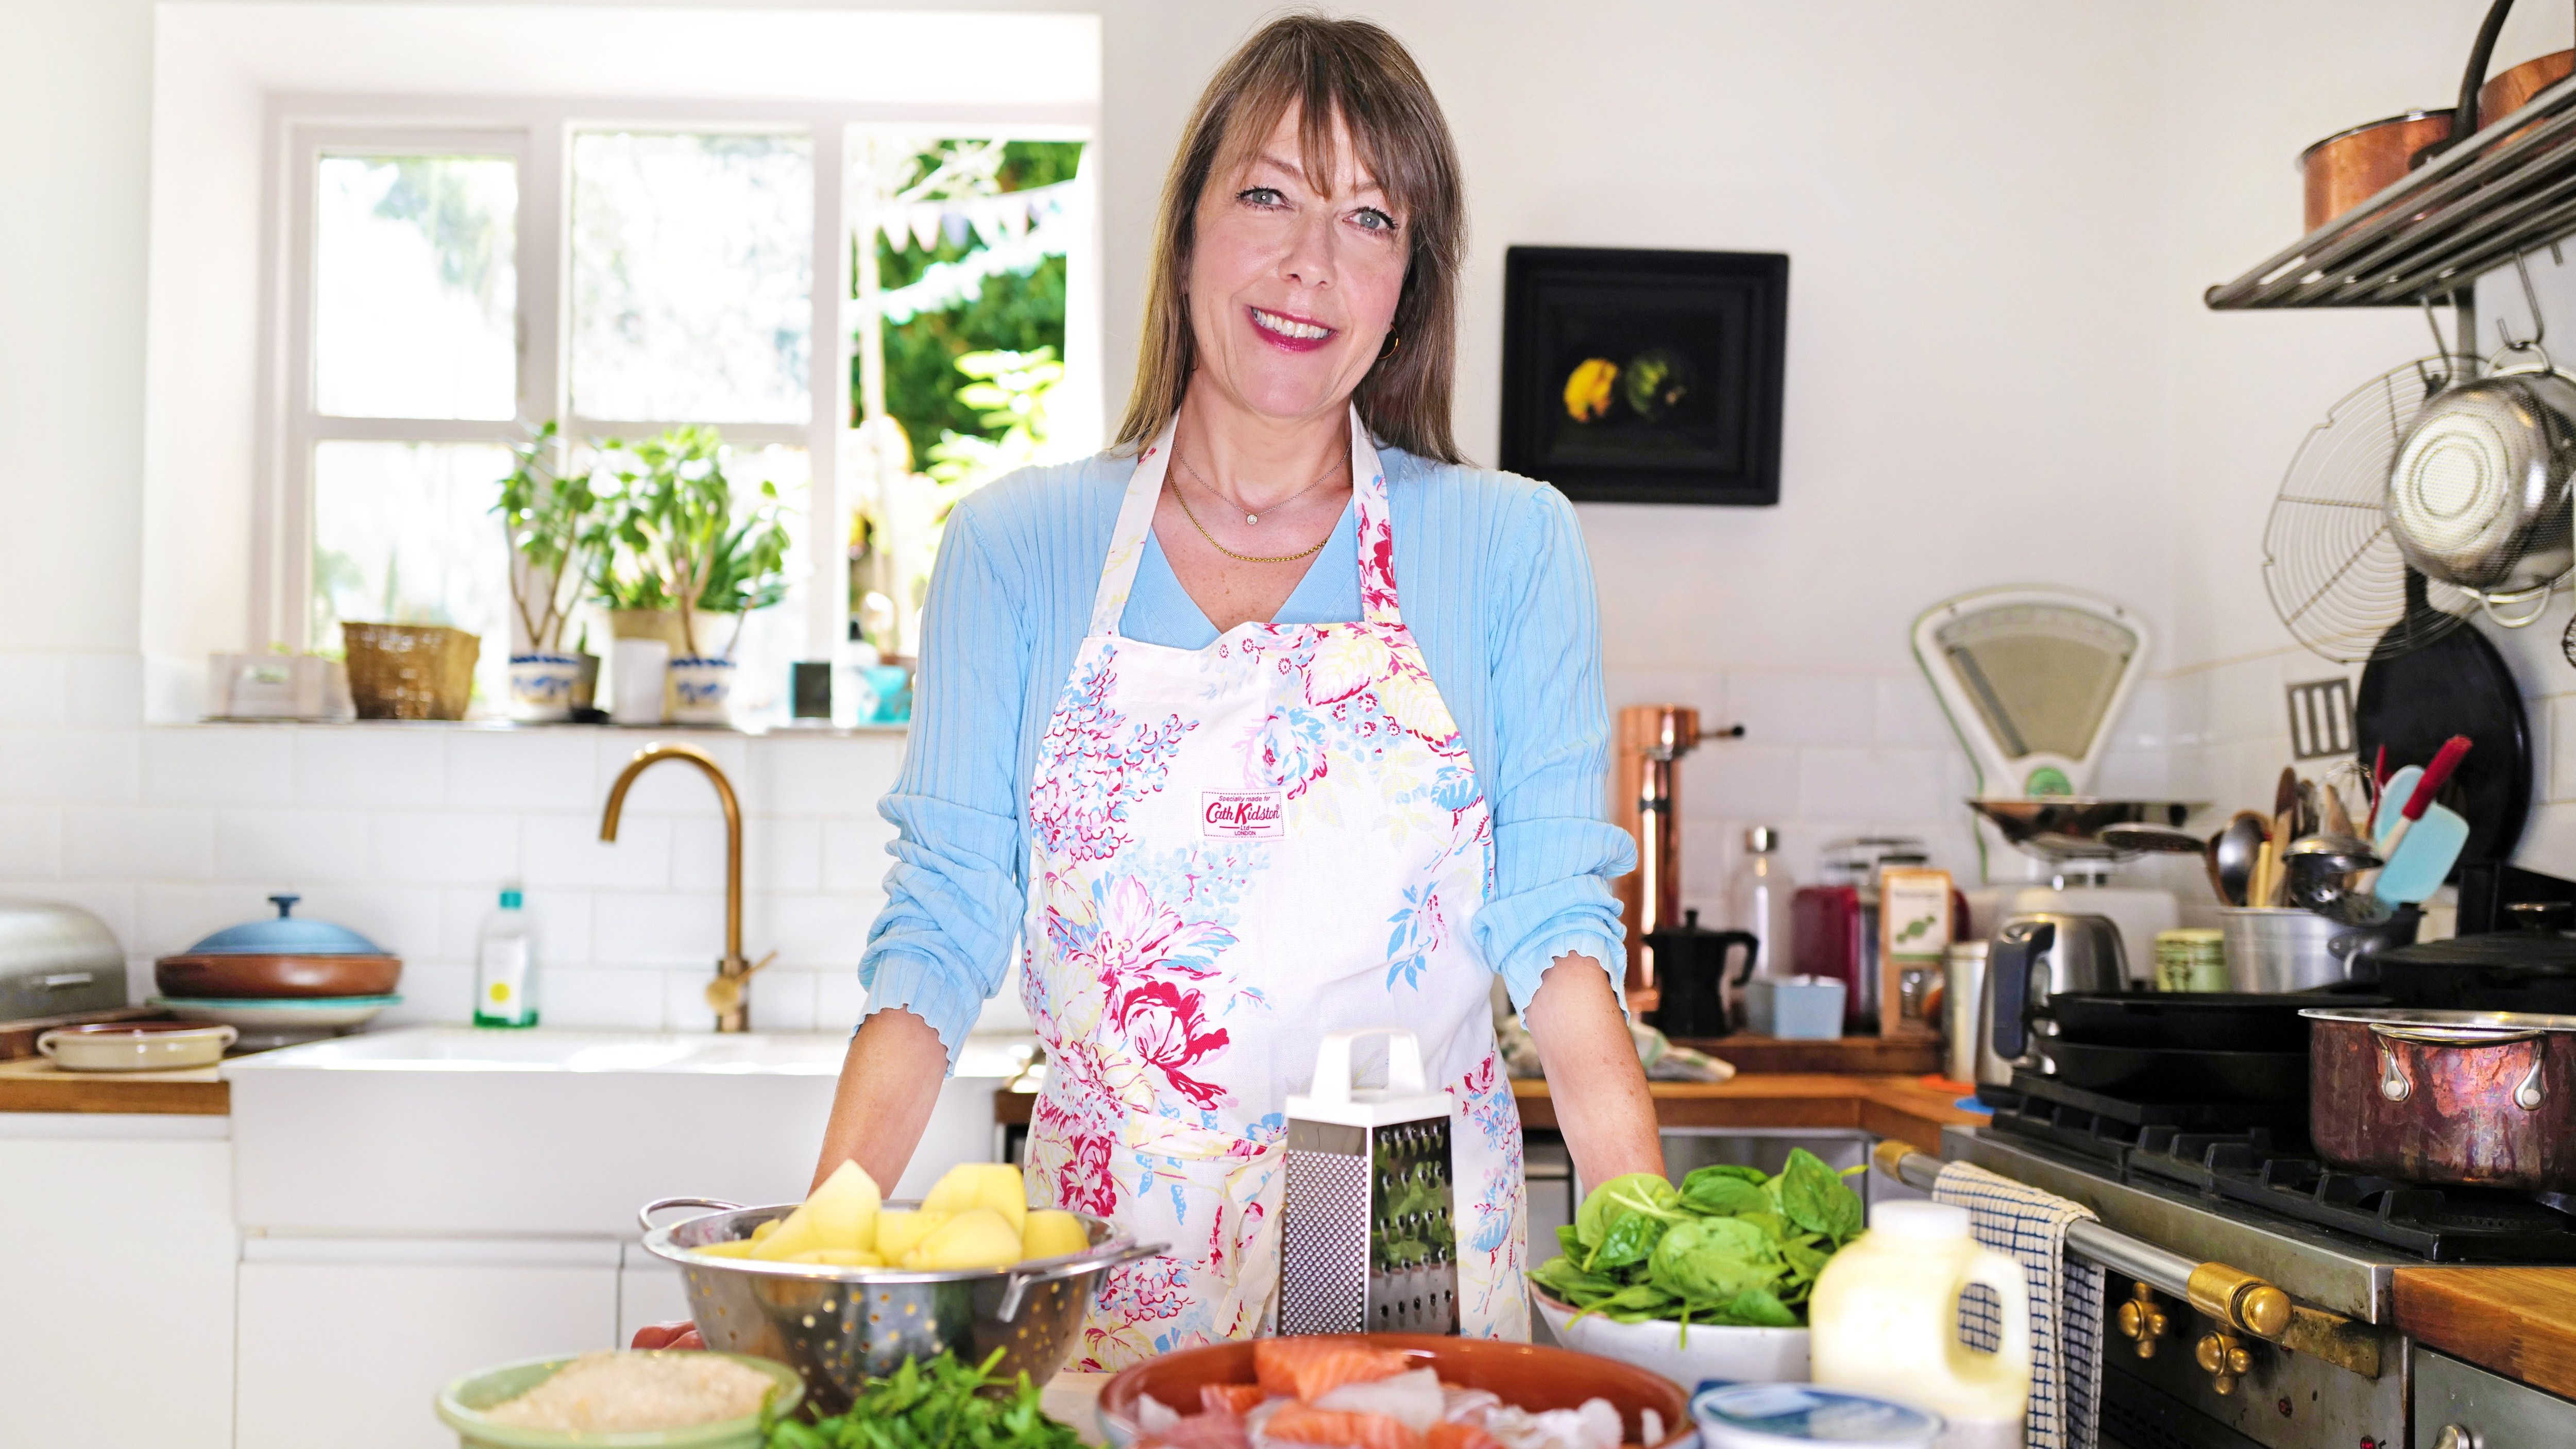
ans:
(2229, 854)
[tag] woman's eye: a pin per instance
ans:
(1372, 219)
(1260, 196)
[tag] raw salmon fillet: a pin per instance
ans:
(1447, 1435)
(1302, 1425)
(1202, 1431)
(1306, 1369)
(1231, 1398)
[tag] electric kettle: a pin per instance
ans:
(2034, 958)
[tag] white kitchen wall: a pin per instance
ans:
(2000, 216)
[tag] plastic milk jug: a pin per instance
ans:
(1885, 1320)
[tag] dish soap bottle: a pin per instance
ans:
(505, 967)
(1884, 1319)
(1757, 900)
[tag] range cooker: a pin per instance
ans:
(2250, 1294)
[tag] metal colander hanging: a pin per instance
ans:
(2331, 562)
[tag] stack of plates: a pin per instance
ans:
(280, 981)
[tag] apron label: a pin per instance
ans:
(1244, 814)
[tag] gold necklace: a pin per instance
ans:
(1250, 517)
(1183, 499)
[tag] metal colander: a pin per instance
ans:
(840, 1327)
(2477, 494)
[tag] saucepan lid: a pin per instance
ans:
(287, 935)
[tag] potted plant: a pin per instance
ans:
(552, 525)
(676, 540)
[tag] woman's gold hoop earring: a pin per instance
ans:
(1394, 340)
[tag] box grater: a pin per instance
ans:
(1367, 1238)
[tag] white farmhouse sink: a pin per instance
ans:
(447, 1131)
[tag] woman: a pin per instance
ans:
(1277, 719)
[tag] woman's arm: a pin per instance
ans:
(1593, 1079)
(942, 945)
(1552, 921)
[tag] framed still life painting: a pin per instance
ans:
(1645, 376)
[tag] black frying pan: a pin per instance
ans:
(2165, 1074)
(2456, 685)
(2216, 1021)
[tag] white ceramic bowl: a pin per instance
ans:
(1703, 1353)
(314, 1013)
(144, 1046)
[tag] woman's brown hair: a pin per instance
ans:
(1327, 68)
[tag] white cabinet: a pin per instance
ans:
(648, 1291)
(117, 1250)
(348, 1340)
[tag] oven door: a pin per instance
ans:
(2460, 1406)
(2282, 1400)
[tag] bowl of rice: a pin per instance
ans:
(623, 1399)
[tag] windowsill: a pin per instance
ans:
(779, 731)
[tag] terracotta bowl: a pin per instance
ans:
(235, 977)
(1523, 1374)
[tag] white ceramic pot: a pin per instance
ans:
(136, 1046)
(543, 686)
(702, 691)
(638, 670)
(1703, 1353)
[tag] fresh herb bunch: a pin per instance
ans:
(940, 1404)
(1733, 1246)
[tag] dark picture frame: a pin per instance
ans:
(1680, 357)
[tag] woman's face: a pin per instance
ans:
(1294, 279)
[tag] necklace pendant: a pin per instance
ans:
(1251, 518)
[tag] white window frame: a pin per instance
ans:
(538, 133)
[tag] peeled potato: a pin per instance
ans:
(845, 1209)
(898, 1231)
(970, 1185)
(738, 1248)
(1051, 1234)
(839, 1258)
(764, 1230)
(977, 1238)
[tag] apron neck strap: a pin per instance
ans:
(1136, 524)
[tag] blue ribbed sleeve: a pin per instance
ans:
(1496, 587)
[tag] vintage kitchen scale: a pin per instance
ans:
(2033, 679)
(1368, 1236)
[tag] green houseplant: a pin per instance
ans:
(551, 522)
(675, 537)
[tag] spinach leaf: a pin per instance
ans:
(1753, 1175)
(1567, 1239)
(1637, 1192)
(1627, 1242)
(1754, 1308)
(1815, 1197)
(1713, 1259)
(1718, 1193)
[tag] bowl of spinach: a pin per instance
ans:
(1705, 1280)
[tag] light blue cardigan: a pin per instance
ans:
(1492, 578)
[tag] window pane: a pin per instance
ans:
(403, 533)
(416, 287)
(692, 274)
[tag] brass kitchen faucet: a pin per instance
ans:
(729, 995)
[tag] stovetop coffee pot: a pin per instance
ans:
(1690, 962)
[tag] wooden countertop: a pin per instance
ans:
(37, 1085)
(2518, 1322)
(1886, 1106)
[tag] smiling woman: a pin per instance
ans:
(1179, 732)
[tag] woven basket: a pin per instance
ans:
(410, 671)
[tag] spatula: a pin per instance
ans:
(2422, 841)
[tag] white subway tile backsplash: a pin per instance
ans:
(219, 765)
(33, 687)
(841, 776)
(565, 850)
(582, 996)
(71, 766)
(838, 1000)
(1908, 714)
(1702, 689)
(813, 931)
(1741, 780)
(402, 919)
(436, 992)
(371, 765)
(31, 842)
(632, 929)
(277, 849)
(1866, 785)
(444, 847)
(174, 917)
(129, 843)
(525, 770)
(684, 999)
(1804, 709)
(104, 689)
(782, 1000)
(785, 855)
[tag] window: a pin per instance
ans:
(449, 287)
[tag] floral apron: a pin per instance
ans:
(1236, 850)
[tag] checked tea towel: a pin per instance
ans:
(2065, 1299)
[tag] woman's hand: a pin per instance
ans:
(889, 1082)
(1593, 1079)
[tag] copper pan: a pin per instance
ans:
(214, 974)
(2350, 167)
(2513, 90)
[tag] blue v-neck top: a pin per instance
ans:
(1492, 579)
